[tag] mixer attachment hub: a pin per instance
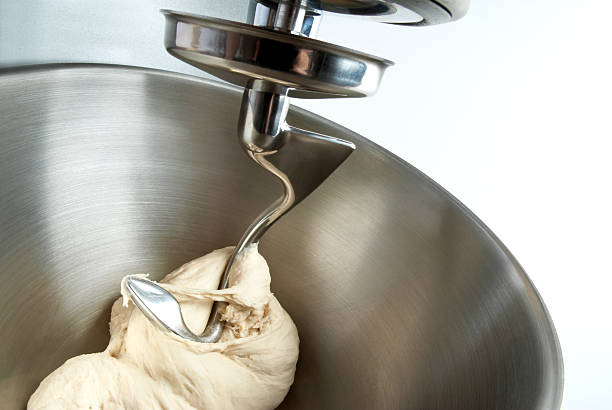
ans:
(239, 53)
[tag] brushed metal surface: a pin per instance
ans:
(107, 170)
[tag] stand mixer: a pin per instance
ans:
(403, 298)
(275, 58)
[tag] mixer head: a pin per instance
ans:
(402, 12)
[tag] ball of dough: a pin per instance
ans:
(251, 367)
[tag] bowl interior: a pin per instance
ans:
(403, 299)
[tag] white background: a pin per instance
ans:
(510, 109)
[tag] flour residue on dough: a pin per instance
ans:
(251, 367)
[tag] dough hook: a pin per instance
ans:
(275, 58)
(300, 159)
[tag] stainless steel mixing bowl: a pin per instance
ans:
(108, 170)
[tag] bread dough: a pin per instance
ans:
(251, 367)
